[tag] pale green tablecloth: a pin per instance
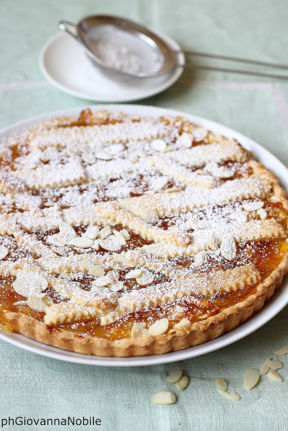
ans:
(31, 385)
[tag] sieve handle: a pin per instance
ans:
(235, 59)
(69, 27)
(230, 70)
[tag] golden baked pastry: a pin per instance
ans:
(124, 235)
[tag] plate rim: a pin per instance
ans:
(270, 309)
(171, 77)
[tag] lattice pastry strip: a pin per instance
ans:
(101, 301)
(50, 176)
(68, 239)
(202, 154)
(220, 223)
(185, 176)
(48, 218)
(203, 284)
(118, 215)
(32, 244)
(106, 169)
(86, 263)
(209, 238)
(24, 201)
(119, 132)
(101, 288)
(171, 203)
(11, 249)
(68, 312)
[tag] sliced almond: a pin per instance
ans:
(198, 259)
(273, 375)
(37, 303)
(102, 281)
(233, 396)
(185, 140)
(65, 235)
(282, 352)
(262, 213)
(57, 240)
(105, 232)
(145, 278)
(199, 134)
(275, 364)
(164, 397)
(159, 145)
(59, 251)
(182, 324)
(113, 275)
(103, 155)
(114, 149)
(134, 273)
(251, 378)
(182, 383)
(97, 271)
(29, 283)
(222, 384)
(159, 327)
(48, 154)
(213, 242)
(120, 238)
(151, 215)
(81, 242)
(125, 233)
(67, 230)
(265, 367)
(174, 376)
(92, 231)
(110, 244)
(95, 245)
(253, 206)
(218, 171)
(116, 286)
(138, 329)
(3, 251)
(228, 248)
(88, 157)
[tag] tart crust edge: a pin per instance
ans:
(176, 338)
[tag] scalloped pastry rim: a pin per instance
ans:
(176, 338)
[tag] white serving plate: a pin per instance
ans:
(273, 307)
(65, 65)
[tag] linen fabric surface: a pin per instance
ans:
(35, 386)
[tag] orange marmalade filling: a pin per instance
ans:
(266, 255)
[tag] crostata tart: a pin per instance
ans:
(124, 235)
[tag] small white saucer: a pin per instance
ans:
(64, 64)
